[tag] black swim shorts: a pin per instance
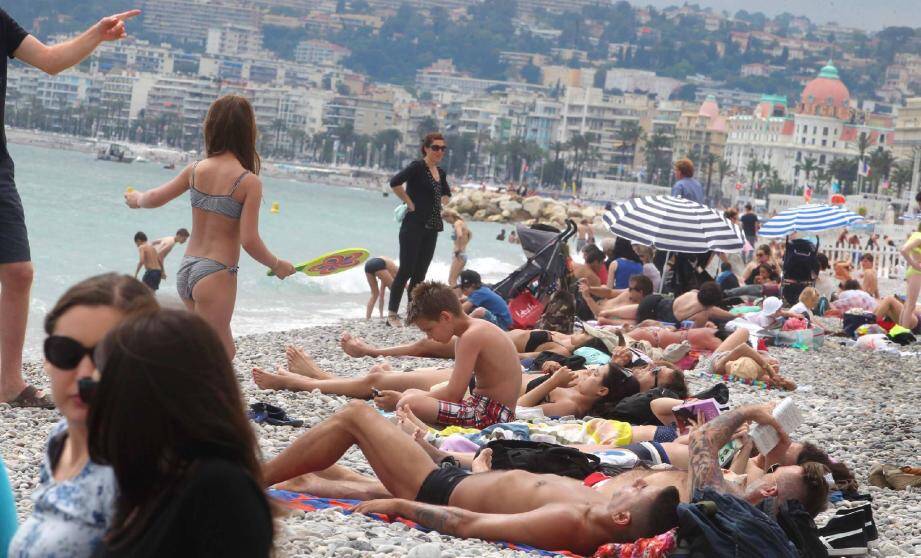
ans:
(14, 240)
(437, 488)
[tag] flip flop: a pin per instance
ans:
(278, 417)
(257, 413)
(29, 398)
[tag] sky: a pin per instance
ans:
(864, 14)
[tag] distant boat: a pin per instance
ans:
(170, 166)
(116, 153)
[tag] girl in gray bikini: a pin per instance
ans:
(226, 193)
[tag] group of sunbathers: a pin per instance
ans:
(632, 397)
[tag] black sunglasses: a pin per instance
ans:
(655, 376)
(66, 353)
(438, 147)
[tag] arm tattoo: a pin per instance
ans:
(443, 519)
(704, 470)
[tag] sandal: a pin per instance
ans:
(29, 398)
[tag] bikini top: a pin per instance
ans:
(221, 204)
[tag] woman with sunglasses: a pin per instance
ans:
(74, 501)
(423, 187)
(167, 416)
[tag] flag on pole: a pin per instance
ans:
(863, 168)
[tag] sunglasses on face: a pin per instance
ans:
(66, 353)
(438, 147)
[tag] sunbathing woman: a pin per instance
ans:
(528, 342)
(557, 391)
(736, 357)
(700, 338)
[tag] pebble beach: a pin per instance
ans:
(862, 407)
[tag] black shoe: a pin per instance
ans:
(720, 392)
(866, 512)
(844, 543)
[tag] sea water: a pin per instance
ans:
(79, 226)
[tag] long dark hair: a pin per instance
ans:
(231, 126)
(122, 292)
(168, 398)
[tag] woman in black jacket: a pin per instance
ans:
(423, 187)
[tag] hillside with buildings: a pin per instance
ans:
(550, 93)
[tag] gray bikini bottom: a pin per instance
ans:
(193, 269)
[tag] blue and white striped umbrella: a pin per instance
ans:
(809, 217)
(674, 224)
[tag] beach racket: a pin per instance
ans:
(332, 262)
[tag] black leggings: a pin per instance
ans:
(417, 246)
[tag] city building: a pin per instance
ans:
(821, 127)
(320, 53)
(188, 21)
(700, 135)
(232, 39)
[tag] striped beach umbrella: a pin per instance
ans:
(674, 224)
(810, 217)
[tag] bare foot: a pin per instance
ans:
(482, 462)
(303, 483)
(408, 413)
(279, 380)
(300, 362)
(388, 399)
(355, 346)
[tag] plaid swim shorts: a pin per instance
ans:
(476, 411)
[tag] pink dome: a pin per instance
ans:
(826, 90)
(709, 107)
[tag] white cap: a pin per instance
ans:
(771, 305)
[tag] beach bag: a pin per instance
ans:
(526, 310)
(560, 311)
(854, 319)
(542, 458)
(719, 525)
(800, 529)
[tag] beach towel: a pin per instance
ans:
(653, 547)
(593, 431)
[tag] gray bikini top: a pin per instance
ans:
(224, 205)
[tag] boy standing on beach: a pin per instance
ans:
(165, 245)
(485, 361)
(149, 260)
(16, 269)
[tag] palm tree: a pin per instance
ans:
(901, 177)
(881, 162)
(387, 140)
(658, 147)
(630, 134)
(709, 161)
(754, 167)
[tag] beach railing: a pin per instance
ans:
(887, 259)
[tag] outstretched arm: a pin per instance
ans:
(57, 58)
(549, 527)
(161, 194)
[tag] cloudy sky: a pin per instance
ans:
(866, 14)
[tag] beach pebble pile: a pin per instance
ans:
(862, 407)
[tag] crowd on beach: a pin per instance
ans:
(155, 454)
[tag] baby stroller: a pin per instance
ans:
(800, 268)
(540, 292)
(546, 262)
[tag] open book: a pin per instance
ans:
(789, 417)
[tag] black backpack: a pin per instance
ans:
(801, 261)
(542, 458)
(852, 320)
(800, 528)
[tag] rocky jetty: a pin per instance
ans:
(497, 207)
